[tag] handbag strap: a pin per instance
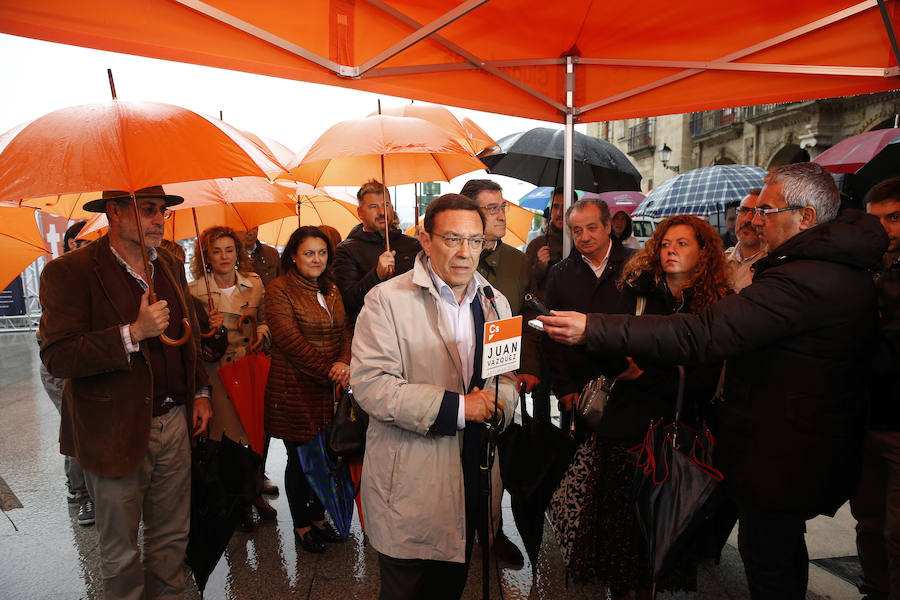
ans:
(522, 405)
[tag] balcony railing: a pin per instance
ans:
(639, 136)
(710, 120)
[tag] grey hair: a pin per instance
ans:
(807, 184)
(601, 205)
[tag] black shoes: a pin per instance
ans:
(269, 488)
(327, 533)
(310, 542)
(85, 511)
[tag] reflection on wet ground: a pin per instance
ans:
(52, 557)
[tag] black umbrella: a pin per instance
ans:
(223, 484)
(534, 456)
(536, 156)
(674, 483)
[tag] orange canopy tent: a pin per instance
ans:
(557, 61)
(627, 59)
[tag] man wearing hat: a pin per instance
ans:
(130, 402)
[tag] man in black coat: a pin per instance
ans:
(586, 282)
(798, 342)
(876, 505)
(361, 261)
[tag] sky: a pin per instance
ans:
(40, 77)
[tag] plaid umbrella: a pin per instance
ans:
(704, 191)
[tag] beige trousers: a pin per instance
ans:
(159, 494)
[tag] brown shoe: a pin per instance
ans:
(269, 488)
(266, 511)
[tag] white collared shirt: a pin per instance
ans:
(598, 269)
(460, 316)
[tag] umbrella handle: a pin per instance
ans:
(186, 328)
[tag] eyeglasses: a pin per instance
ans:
(765, 211)
(493, 209)
(453, 241)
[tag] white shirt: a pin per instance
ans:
(460, 316)
(598, 269)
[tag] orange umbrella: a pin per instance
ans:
(240, 203)
(123, 146)
(412, 150)
(20, 241)
(316, 207)
(466, 132)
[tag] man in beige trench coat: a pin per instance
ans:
(416, 370)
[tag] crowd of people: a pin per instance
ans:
(788, 343)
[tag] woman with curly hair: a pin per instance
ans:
(681, 268)
(310, 354)
(234, 291)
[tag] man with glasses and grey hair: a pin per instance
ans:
(416, 371)
(797, 341)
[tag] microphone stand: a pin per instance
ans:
(489, 450)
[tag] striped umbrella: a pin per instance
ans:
(704, 191)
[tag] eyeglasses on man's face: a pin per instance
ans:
(765, 211)
(453, 241)
(493, 209)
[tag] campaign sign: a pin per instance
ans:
(502, 350)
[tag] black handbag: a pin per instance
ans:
(347, 437)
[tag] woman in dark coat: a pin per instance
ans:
(681, 269)
(310, 353)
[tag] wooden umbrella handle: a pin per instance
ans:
(186, 329)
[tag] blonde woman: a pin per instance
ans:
(234, 292)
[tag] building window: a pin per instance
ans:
(639, 135)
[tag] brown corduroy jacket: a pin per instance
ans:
(306, 342)
(107, 398)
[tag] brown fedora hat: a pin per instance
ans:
(155, 191)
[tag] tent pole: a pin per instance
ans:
(569, 152)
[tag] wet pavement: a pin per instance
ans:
(44, 553)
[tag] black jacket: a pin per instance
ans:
(885, 394)
(798, 340)
(355, 260)
(572, 285)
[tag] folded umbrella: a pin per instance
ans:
(223, 484)
(329, 480)
(674, 483)
(534, 456)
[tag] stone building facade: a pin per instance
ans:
(769, 135)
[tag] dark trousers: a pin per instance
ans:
(304, 505)
(415, 579)
(876, 508)
(773, 549)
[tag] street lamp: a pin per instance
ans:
(665, 154)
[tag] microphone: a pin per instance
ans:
(489, 294)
